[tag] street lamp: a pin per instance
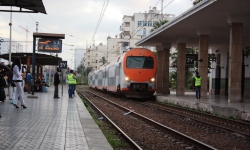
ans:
(212, 57)
(10, 24)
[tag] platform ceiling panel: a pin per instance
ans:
(34, 6)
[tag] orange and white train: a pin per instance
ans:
(131, 74)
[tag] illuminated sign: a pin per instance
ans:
(62, 64)
(50, 45)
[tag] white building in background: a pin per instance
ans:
(139, 25)
(16, 47)
(79, 54)
(93, 56)
(133, 29)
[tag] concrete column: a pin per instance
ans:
(181, 63)
(165, 72)
(203, 66)
(28, 63)
(165, 68)
(41, 72)
(235, 62)
(37, 72)
(159, 80)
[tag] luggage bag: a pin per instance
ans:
(44, 89)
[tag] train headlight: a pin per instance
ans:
(152, 80)
(127, 79)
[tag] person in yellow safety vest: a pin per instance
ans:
(197, 84)
(73, 93)
(71, 80)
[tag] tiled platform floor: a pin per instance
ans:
(49, 124)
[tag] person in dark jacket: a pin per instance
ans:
(56, 82)
(9, 75)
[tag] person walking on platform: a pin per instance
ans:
(56, 82)
(18, 79)
(197, 84)
(29, 80)
(71, 80)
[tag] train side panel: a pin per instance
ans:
(131, 74)
(111, 79)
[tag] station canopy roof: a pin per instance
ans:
(211, 16)
(26, 6)
(41, 59)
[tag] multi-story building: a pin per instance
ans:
(139, 25)
(16, 47)
(133, 29)
(94, 56)
(79, 55)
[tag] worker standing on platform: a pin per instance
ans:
(71, 80)
(74, 87)
(197, 84)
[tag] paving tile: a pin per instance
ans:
(47, 124)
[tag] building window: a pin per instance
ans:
(150, 24)
(144, 23)
(95, 61)
(139, 23)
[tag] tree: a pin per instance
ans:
(158, 24)
(88, 70)
(196, 2)
(189, 69)
(103, 60)
(80, 69)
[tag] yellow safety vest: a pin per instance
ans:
(70, 79)
(74, 81)
(197, 81)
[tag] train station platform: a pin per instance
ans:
(214, 104)
(49, 124)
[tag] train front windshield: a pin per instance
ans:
(140, 62)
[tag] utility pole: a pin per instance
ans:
(161, 10)
(27, 31)
(10, 24)
(36, 26)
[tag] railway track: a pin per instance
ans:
(163, 136)
(240, 128)
(208, 132)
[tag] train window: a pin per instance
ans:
(140, 62)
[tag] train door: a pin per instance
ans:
(107, 78)
(118, 74)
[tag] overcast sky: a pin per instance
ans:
(77, 19)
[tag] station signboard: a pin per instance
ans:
(62, 64)
(49, 45)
